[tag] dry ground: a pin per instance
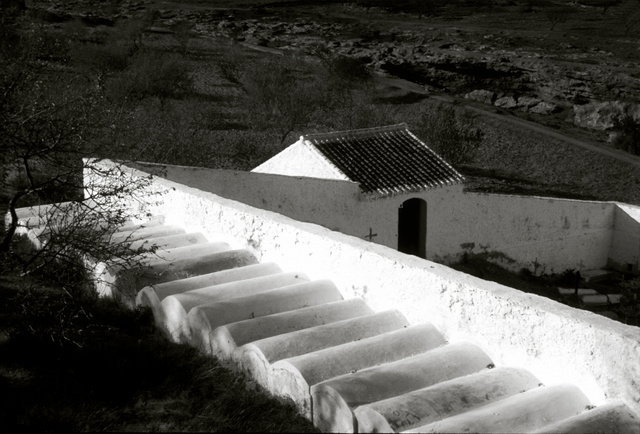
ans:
(530, 57)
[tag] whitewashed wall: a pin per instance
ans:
(544, 235)
(556, 342)
(334, 204)
(625, 245)
(330, 203)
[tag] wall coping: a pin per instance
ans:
(556, 342)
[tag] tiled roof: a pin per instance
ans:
(386, 160)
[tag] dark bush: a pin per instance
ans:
(101, 58)
(41, 44)
(422, 7)
(628, 135)
(352, 70)
(569, 278)
(452, 134)
(630, 303)
(558, 15)
(152, 74)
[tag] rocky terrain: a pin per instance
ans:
(547, 96)
(499, 67)
(585, 71)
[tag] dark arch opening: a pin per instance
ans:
(412, 227)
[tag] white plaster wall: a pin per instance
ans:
(556, 342)
(381, 214)
(556, 233)
(334, 204)
(625, 245)
(330, 203)
(545, 235)
(300, 160)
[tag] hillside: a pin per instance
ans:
(544, 81)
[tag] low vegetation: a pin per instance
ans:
(452, 133)
(76, 362)
(627, 135)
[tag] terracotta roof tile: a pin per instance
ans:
(385, 160)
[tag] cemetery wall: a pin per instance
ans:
(556, 342)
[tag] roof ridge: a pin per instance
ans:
(363, 132)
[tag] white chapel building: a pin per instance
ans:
(402, 181)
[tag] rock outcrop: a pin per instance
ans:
(604, 115)
(483, 96)
(512, 70)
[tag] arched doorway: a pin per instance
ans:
(412, 227)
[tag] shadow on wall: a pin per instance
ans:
(557, 343)
(624, 254)
(544, 235)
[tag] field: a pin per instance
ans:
(253, 76)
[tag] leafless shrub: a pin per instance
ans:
(100, 59)
(282, 95)
(628, 135)
(231, 64)
(49, 125)
(152, 74)
(558, 15)
(630, 17)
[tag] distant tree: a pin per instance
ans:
(182, 33)
(606, 4)
(422, 7)
(479, 4)
(231, 64)
(628, 135)
(451, 133)
(341, 75)
(152, 74)
(49, 124)
(528, 5)
(558, 15)
(11, 9)
(368, 4)
(630, 16)
(280, 95)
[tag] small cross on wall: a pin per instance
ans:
(371, 235)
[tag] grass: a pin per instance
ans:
(88, 364)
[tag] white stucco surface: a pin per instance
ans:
(625, 246)
(545, 235)
(557, 343)
(331, 203)
(300, 159)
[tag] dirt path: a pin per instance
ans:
(511, 119)
(482, 110)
